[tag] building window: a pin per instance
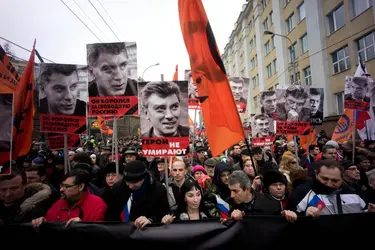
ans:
(273, 41)
(358, 7)
(304, 44)
(292, 52)
(255, 98)
(257, 79)
(290, 23)
(271, 17)
(254, 82)
(274, 65)
(339, 103)
(340, 60)
(366, 47)
(269, 70)
(251, 44)
(301, 12)
(336, 19)
(286, 2)
(252, 63)
(267, 48)
(307, 75)
(256, 60)
(298, 77)
(265, 24)
(264, 4)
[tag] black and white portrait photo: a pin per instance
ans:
(164, 109)
(112, 69)
(268, 102)
(6, 124)
(357, 92)
(262, 126)
(316, 106)
(62, 89)
(240, 88)
(293, 104)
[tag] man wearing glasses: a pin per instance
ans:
(293, 107)
(76, 203)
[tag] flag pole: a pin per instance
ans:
(251, 156)
(114, 143)
(166, 178)
(66, 160)
(353, 134)
(194, 134)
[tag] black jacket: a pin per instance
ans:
(152, 202)
(260, 205)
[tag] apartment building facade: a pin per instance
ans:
(318, 41)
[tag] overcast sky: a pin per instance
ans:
(152, 24)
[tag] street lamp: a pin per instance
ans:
(267, 32)
(156, 64)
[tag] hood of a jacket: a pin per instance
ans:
(36, 193)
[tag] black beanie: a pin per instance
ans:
(134, 171)
(347, 164)
(111, 168)
(272, 177)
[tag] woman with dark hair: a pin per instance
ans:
(190, 206)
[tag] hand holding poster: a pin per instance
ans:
(357, 94)
(6, 128)
(164, 118)
(61, 107)
(316, 106)
(112, 91)
(239, 87)
(293, 110)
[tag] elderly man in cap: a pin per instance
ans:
(130, 155)
(138, 197)
(210, 165)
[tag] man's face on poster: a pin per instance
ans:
(164, 114)
(262, 126)
(61, 93)
(193, 90)
(269, 104)
(111, 74)
(292, 103)
(314, 104)
(358, 91)
(236, 90)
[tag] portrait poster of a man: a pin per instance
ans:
(62, 90)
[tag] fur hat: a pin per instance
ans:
(272, 177)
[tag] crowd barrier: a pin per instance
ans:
(258, 232)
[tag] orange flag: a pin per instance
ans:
(223, 124)
(8, 75)
(344, 127)
(23, 123)
(175, 76)
(104, 128)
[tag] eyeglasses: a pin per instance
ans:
(66, 186)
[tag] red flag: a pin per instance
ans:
(175, 76)
(24, 110)
(362, 117)
(344, 127)
(223, 124)
(8, 75)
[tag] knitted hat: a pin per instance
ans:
(198, 168)
(111, 168)
(272, 177)
(134, 171)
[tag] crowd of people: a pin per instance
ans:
(242, 181)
